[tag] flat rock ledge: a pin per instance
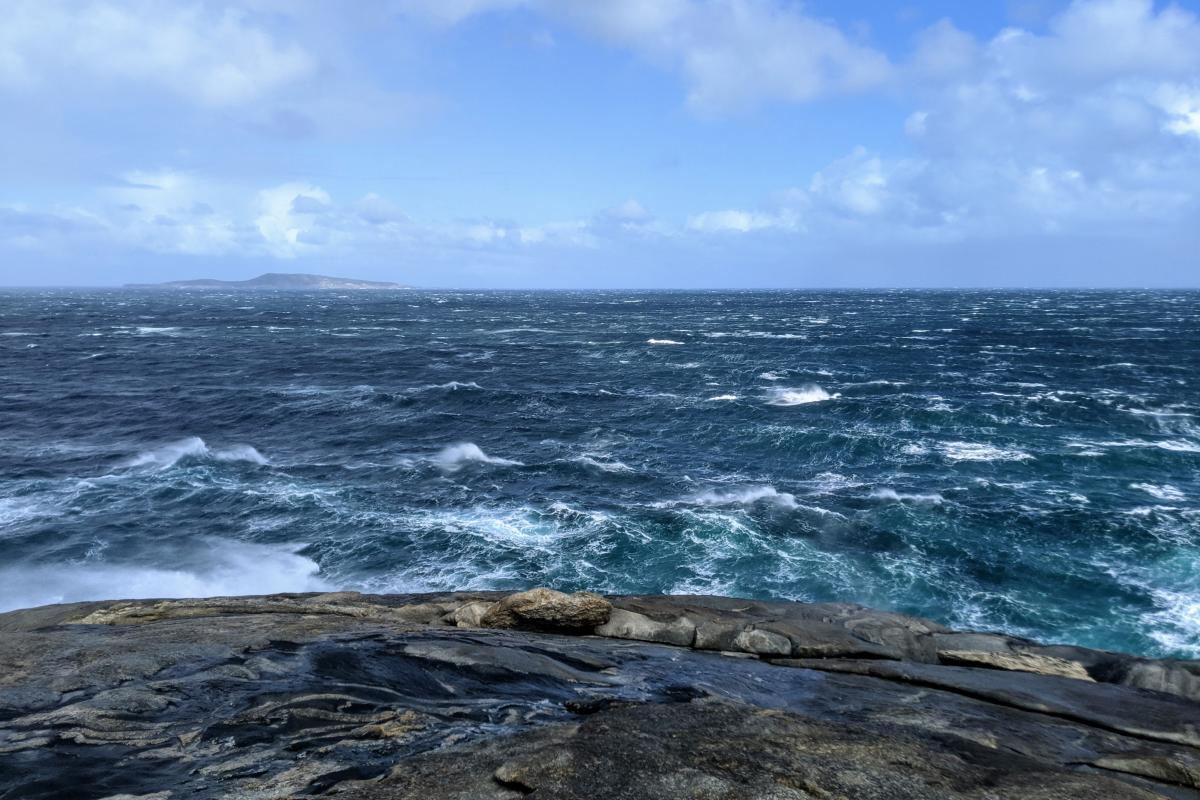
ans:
(553, 695)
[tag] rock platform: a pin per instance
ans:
(542, 694)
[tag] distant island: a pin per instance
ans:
(274, 280)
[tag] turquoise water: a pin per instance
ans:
(1020, 461)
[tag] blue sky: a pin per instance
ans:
(625, 143)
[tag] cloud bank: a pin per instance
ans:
(1085, 130)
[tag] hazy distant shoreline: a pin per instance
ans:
(274, 281)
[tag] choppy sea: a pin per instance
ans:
(1020, 461)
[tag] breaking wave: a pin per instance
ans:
(193, 447)
(457, 456)
(975, 451)
(892, 496)
(224, 568)
(747, 496)
(799, 396)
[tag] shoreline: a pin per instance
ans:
(380, 696)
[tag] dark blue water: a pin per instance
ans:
(1021, 461)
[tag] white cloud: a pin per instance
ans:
(732, 220)
(211, 56)
(1111, 39)
(855, 184)
(287, 222)
(172, 212)
(1182, 106)
(451, 12)
(732, 54)
(1088, 128)
(1091, 128)
(736, 54)
(168, 211)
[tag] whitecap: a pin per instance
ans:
(1176, 623)
(524, 330)
(974, 451)
(239, 452)
(803, 395)
(456, 456)
(193, 447)
(662, 341)
(745, 496)
(452, 386)
(771, 376)
(14, 510)
(892, 496)
(1173, 445)
(1163, 492)
(723, 397)
(603, 464)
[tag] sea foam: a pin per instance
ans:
(1163, 492)
(225, 569)
(603, 463)
(745, 496)
(457, 456)
(193, 447)
(802, 395)
(974, 451)
(892, 496)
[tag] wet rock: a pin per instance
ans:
(733, 752)
(763, 642)
(548, 610)
(1163, 676)
(1183, 771)
(624, 624)
(1136, 712)
(366, 696)
(470, 615)
(1019, 662)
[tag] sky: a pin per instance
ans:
(602, 143)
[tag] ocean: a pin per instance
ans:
(1019, 461)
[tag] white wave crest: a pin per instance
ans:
(169, 455)
(1164, 492)
(457, 456)
(662, 341)
(452, 386)
(228, 568)
(723, 397)
(974, 451)
(1173, 445)
(1176, 625)
(892, 496)
(745, 496)
(802, 395)
(603, 464)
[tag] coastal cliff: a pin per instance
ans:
(491, 695)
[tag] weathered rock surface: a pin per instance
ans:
(721, 750)
(548, 610)
(467, 695)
